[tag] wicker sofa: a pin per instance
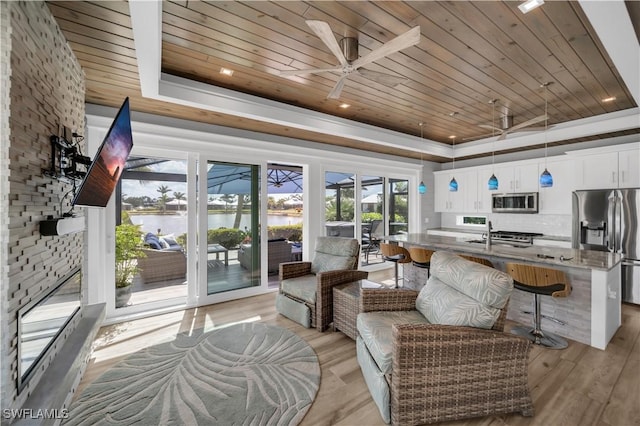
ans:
(162, 265)
(164, 259)
(442, 354)
(306, 288)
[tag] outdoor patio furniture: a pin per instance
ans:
(443, 355)
(278, 251)
(217, 249)
(306, 288)
(371, 234)
(162, 265)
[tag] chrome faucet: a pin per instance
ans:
(489, 228)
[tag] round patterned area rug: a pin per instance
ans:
(251, 373)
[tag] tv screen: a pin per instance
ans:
(108, 164)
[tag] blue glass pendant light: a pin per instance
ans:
(546, 180)
(422, 188)
(493, 183)
(493, 180)
(453, 184)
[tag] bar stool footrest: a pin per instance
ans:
(546, 339)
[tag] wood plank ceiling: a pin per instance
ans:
(469, 54)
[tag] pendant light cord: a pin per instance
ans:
(493, 131)
(453, 148)
(546, 121)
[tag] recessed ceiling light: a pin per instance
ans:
(609, 99)
(452, 137)
(344, 106)
(529, 5)
(226, 71)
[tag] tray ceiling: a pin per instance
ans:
(469, 53)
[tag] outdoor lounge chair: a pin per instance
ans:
(442, 354)
(306, 288)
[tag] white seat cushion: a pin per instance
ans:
(303, 288)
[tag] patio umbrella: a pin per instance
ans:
(236, 179)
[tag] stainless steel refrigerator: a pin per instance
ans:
(607, 220)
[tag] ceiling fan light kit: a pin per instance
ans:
(346, 51)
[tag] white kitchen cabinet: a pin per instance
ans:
(477, 195)
(597, 171)
(518, 177)
(484, 194)
(558, 198)
(629, 168)
(445, 200)
(615, 169)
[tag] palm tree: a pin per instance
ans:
(179, 196)
(163, 190)
(227, 199)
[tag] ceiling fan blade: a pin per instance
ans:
(527, 123)
(490, 127)
(310, 71)
(324, 32)
(382, 78)
(337, 89)
(410, 38)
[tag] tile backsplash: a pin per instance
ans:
(547, 224)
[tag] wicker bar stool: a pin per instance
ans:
(545, 282)
(421, 257)
(396, 254)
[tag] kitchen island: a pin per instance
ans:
(592, 312)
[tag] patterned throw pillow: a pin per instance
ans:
(461, 292)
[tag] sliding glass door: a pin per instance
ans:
(150, 235)
(232, 227)
(398, 206)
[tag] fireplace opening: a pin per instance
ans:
(42, 322)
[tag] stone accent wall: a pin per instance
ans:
(46, 93)
(5, 84)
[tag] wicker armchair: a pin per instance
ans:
(162, 265)
(438, 373)
(306, 288)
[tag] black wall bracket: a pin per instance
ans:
(66, 160)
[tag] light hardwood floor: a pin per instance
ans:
(576, 386)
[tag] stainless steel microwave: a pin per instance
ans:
(515, 203)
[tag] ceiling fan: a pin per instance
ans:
(507, 126)
(347, 53)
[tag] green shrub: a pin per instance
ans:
(128, 244)
(371, 216)
(290, 232)
(228, 238)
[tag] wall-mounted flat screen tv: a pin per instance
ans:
(108, 164)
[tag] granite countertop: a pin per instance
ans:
(583, 259)
(484, 231)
